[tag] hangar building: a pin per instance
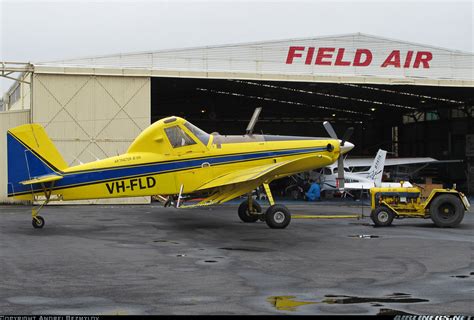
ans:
(410, 99)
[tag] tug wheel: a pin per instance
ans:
(382, 216)
(245, 215)
(277, 216)
(446, 211)
(38, 222)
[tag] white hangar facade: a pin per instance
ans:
(94, 107)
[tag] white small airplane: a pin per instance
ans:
(364, 180)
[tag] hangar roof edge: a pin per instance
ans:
(357, 34)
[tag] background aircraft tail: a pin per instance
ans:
(31, 156)
(376, 170)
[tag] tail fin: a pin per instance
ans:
(376, 170)
(32, 158)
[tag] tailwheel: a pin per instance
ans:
(249, 213)
(277, 216)
(38, 222)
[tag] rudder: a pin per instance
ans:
(30, 155)
(376, 170)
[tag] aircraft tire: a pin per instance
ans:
(382, 216)
(277, 216)
(446, 210)
(244, 213)
(38, 223)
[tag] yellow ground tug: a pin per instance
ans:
(445, 207)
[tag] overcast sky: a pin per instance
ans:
(42, 31)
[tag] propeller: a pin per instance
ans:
(344, 148)
(253, 121)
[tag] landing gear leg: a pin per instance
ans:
(277, 216)
(37, 220)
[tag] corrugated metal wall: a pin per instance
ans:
(272, 60)
(92, 117)
(8, 119)
(23, 101)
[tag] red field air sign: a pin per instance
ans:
(326, 56)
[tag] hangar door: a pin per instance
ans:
(92, 117)
(8, 119)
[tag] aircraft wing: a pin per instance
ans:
(367, 162)
(261, 172)
(239, 182)
(42, 179)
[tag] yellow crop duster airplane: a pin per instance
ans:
(171, 157)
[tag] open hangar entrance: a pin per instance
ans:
(405, 120)
(410, 99)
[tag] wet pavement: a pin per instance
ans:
(153, 260)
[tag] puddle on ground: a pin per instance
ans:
(363, 236)
(166, 241)
(210, 261)
(287, 303)
(248, 249)
(399, 294)
(391, 312)
(395, 298)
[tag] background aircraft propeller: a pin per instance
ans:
(340, 161)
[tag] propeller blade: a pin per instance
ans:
(340, 172)
(347, 135)
(330, 129)
(253, 121)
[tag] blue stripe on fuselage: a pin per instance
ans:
(91, 177)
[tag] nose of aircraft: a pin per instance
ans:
(346, 147)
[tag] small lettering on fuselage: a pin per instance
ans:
(127, 159)
(131, 184)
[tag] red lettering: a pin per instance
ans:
(323, 55)
(339, 57)
(309, 55)
(423, 57)
(408, 59)
(358, 58)
(393, 59)
(293, 54)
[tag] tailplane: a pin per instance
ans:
(376, 170)
(32, 159)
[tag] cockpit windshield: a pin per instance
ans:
(178, 138)
(201, 135)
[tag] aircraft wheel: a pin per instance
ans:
(38, 222)
(446, 211)
(277, 216)
(247, 216)
(382, 216)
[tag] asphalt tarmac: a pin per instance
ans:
(154, 260)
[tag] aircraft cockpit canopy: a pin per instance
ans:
(179, 138)
(200, 134)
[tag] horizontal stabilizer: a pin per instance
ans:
(42, 179)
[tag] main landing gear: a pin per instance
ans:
(277, 216)
(37, 220)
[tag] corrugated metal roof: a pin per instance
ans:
(407, 62)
